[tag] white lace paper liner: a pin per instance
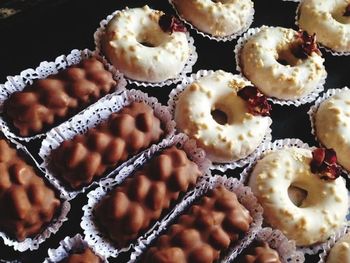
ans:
(174, 97)
(91, 117)
(297, 102)
(312, 114)
(276, 145)
(45, 68)
(245, 197)
(327, 49)
(93, 235)
(331, 242)
(286, 248)
(211, 37)
(66, 247)
(192, 59)
(53, 226)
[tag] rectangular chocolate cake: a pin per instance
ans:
(50, 101)
(28, 204)
(132, 207)
(204, 232)
(123, 135)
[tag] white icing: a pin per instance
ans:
(236, 139)
(122, 44)
(321, 212)
(326, 19)
(258, 61)
(220, 18)
(332, 123)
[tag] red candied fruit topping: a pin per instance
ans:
(257, 102)
(169, 23)
(307, 45)
(347, 10)
(324, 162)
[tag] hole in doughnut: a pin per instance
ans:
(282, 62)
(151, 39)
(286, 57)
(147, 44)
(219, 116)
(297, 195)
(339, 13)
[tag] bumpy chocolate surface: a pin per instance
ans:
(85, 256)
(124, 134)
(204, 232)
(259, 252)
(134, 205)
(27, 204)
(40, 106)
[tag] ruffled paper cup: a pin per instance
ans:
(297, 102)
(285, 248)
(331, 242)
(192, 59)
(67, 246)
(93, 235)
(45, 69)
(172, 102)
(211, 37)
(334, 53)
(90, 118)
(312, 115)
(327, 49)
(55, 224)
(277, 145)
(245, 197)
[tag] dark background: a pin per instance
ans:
(47, 31)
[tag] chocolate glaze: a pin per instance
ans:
(27, 204)
(124, 134)
(40, 106)
(85, 256)
(259, 252)
(133, 206)
(204, 232)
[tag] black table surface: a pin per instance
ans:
(45, 33)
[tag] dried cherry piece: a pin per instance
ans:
(169, 23)
(306, 46)
(324, 163)
(248, 92)
(257, 102)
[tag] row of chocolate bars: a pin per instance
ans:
(126, 143)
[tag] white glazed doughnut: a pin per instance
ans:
(228, 142)
(322, 211)
(137, 46)
(326, 18)
(340, 252)
(259, 61)
(332, 125)
(217, 18)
